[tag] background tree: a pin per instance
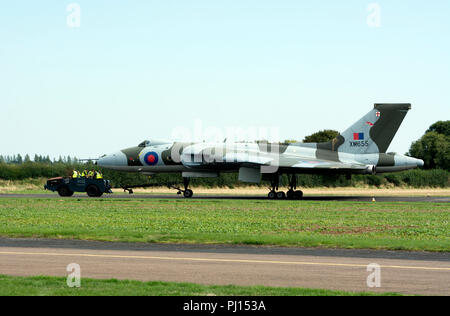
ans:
(290, 141)
(321, 137)
(433, 147)
(440, 127)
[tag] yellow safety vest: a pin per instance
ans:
(75, 174)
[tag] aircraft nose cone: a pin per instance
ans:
(116, 159)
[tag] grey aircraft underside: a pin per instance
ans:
(361, 149)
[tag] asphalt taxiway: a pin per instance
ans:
(403, 272)
(433, 199)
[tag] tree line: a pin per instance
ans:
(18, 159)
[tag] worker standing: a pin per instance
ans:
(75, 174)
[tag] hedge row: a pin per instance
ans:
(412, 178)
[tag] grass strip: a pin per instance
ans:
(57, 286)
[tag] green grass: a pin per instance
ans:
(380, 225)
(55, 286)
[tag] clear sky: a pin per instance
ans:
(135, 70)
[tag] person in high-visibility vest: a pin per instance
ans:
(91, 174)
(98, 175)
(75, 174)
(84, 174)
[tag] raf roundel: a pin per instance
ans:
(151, 158)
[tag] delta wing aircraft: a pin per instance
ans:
(361, 149)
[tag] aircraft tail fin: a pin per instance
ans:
(373, 133)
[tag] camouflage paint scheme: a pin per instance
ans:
(361, 149)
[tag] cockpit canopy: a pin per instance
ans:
(153, 142)
(145, 143)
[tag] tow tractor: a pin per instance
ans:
(68, 186)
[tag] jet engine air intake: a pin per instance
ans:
(371, 169)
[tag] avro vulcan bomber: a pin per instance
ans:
(361, 149)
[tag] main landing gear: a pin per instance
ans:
(292, 194)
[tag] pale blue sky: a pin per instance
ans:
(137, 69)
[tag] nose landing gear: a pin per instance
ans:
(187, 193)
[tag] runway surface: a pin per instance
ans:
(434, 199)
(403, 272)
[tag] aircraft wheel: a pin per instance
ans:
(298, 195)
(281, 195)
(290, 194)
(188, 193)
(272, 195)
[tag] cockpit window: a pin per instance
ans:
(145, 143)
